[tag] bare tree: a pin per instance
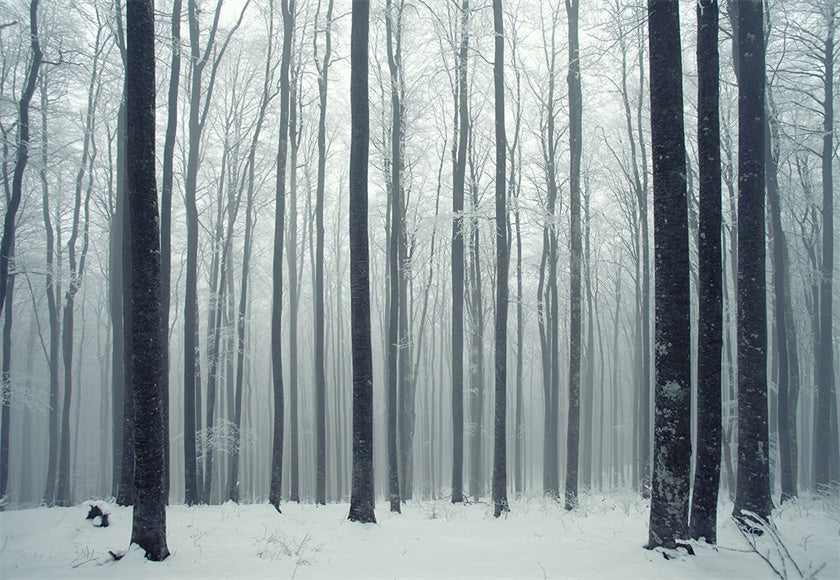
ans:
(287, 7)
(500, 501)
(575, 140)
(457, 271)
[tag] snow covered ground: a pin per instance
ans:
(538, 539)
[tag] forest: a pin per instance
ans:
(519, 256)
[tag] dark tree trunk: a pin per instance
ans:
(362, 493)
(753, 483)
(703, 521)
(393, 36)
(826, 445)
(672, 397)
(288, 11)
(575, 138)
(459, 172)
(151, 377)
(500, 501)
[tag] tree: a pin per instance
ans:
(151, 377)
(287, 7)
(753, 483)
(703, 521)
(362, 492)
(500, 502)
(320, 379)
(458, 175)
(826, 446)
(575, 142)
(672, 395)
(392, 35)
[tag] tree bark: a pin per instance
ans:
(703, 520)
(151, 377)
(753, 478)
(362, 493)
(672, 398)
(826, 445)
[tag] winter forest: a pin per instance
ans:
(552, 281)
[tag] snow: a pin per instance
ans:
(431, 539)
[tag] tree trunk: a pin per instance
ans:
(826, 445)
(500, 501)
(393, 256)
(672, 400)
(151, 377)
(753, 483)
(458, 175)
(288, 11)
(575, 138)
(703, 521)
(362, 493)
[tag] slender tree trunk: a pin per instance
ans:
(672, 405)
(288, 11)
(575, 137)
(500, 501)
(703, 521)
(826, 445)
(393, 257)
(362, 493)
(459, 172)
